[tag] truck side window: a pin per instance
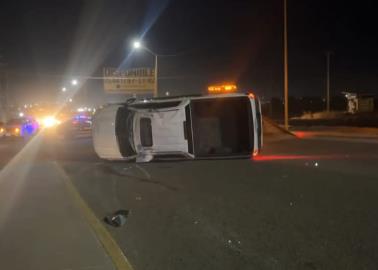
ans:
(146, 132)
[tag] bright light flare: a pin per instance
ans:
(50, 121)
(74, 82)
(137, 44)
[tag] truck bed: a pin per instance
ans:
(220, 127)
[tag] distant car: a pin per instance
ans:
(79, 126)
(20, 128)
(214, 126)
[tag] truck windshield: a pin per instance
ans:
(124, 131)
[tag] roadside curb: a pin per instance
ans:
(271, 122)
(109, 244)
(349, 139)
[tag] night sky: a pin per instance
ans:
(44, 43)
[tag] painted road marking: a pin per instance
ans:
(110, 245)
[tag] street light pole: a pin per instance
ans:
(138, 45)
(328, 55)
(286, 75)
(156, 92)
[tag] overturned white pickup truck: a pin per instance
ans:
(193, 127)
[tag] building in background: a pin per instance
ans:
(359, 102)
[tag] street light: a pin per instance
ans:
(64, 89)
(138, 45)
(74, 82)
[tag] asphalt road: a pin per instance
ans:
(304, 204)
(41, 225)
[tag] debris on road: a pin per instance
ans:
(117, 219)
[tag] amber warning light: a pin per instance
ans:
(226, 88)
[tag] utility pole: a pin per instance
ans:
(328, 56)
(286, 75)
